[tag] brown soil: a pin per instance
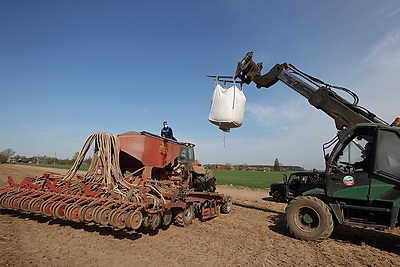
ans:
(253, 234)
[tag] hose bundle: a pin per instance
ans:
(107, 148)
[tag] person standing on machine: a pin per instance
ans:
(166, 131)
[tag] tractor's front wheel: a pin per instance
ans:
(309, 218)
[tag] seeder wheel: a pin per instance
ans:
(120, 219)
(95, 212)
(102, 215)
(13, 202)
(134, 219)
(45, 209)
(23, 203)
(35, 205)
(60, 210)
(53, 209)
(72, 212)
(88, 213)
(2, 201)
(167, 219)
(155, 220)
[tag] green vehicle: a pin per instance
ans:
(356, 190)
(296, 184)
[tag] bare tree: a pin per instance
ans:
(9, 152)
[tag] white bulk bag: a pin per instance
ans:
(227, 107)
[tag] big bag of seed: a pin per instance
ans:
(227, 107)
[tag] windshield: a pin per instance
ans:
(187, 154)
(388, 154)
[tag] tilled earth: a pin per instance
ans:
(253, 234)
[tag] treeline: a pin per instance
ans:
(9, 156)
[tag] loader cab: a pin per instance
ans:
(353, 173)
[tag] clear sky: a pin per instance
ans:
(71, 68)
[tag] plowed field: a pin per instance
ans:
(253, 234)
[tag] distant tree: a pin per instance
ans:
(277, 165)
(9, 152)
(74, 157)
(87, 161)
(3, 158)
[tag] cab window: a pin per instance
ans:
(388, 153)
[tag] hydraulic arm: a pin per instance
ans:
(319, 94)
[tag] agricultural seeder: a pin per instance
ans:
(134, 180)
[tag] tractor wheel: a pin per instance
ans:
(204, 182)
(278, 196)
(309, 218)
(227, 206)
(210, 181)
(185, 216)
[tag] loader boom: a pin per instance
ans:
(319, 94)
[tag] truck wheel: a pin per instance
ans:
(227, 206)
(309, 218)
(185, 216)
(278, 196)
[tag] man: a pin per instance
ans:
(365, 164)
(166, 131)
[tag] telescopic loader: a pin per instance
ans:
(368, 197)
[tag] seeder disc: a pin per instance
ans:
(134, 219)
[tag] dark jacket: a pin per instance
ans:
(167, 133)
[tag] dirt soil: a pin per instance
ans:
(253, 234)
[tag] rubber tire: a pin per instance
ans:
(309, 218)
(155, 221)
(185, 216)
(134, 219)
(227, 206)
(278, 196)
(167, 218)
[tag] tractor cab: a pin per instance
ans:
(365, 163)
(187, 152)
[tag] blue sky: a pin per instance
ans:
(72, 68)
